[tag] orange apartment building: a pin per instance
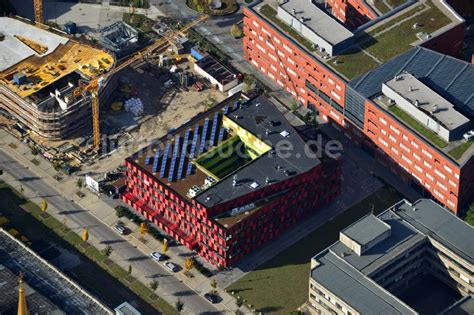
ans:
(343, 75)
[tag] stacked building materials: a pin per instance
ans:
(134, 105)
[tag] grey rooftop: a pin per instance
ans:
(317, 20)
(256, 116)
(451, 78)
(359, 291)
(13, 51)
(413, 90)
(366, 229)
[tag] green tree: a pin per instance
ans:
(154, 285)
(179, 305)
(214, 285)
(80, 183)
(239, 302)
(121, 211)
(236, 31)
(107, 251)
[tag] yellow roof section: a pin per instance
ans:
(67, 58)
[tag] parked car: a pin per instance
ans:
(172, 267)
(157, 256)
(211, 297)
(120, 228)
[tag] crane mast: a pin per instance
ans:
(38, 8)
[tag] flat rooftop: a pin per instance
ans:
(13, 50)
(47, 288)
(60, 56)
(255, 126)
(430, 102)
(350, 285)
(375, 43)
(216, 69)
(440, 224)
(347, 274)
(317, 20)
(448, 77)
(366, 230)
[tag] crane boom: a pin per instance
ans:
(38, 8)
(93, 86)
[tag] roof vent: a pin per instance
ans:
(410, 89)
(435, 109)
(284, 134)
(417, 103)
(235, 181)
(193, 191)
(414, 209)
(294, 11)
(344, 254)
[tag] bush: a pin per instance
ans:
(121, 211)
(203, 270)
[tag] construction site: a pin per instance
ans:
(53, 87)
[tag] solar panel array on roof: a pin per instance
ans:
(156, 161)
(204, 136)
(215, 122)
(164, 160)
(174, 158)
(221, 134)
(148, 160)
(449, 77)
(226, 110)
(193, 149)
(183, 153)
(236, 104)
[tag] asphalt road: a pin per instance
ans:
(142, 265)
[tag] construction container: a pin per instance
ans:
(19, 78)
(198, 53)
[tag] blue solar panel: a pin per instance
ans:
(164, 160)
(226, 110)
(174, 157)
(236, 104)
(215, 122)
(221, 134)
(148, 160)
(190, 168)
(155, 162)
(204, 136)
(183, 154)
(194, 143)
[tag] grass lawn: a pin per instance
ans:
(271, 14)
(391, 43)
(430, 135)
(354, 62)
(399, 39)
(382, 7)
(458, 151)
(280, 285)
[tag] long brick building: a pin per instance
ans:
(231, 179)
(354, 74)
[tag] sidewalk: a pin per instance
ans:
(106, 215)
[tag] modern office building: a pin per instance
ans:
(378, 75)
(39, 71)
(377, 258)
(231, 179)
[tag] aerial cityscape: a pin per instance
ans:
(294, 157)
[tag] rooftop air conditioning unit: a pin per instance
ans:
(469, 136)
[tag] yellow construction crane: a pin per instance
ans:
(38, 6)
(94, 84)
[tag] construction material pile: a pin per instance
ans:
(134, 105)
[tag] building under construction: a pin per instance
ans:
(39, 72)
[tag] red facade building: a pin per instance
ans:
(220, 184)
(342, 85)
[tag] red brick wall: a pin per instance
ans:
(191, 224)
(351, 12)
(417, 160)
